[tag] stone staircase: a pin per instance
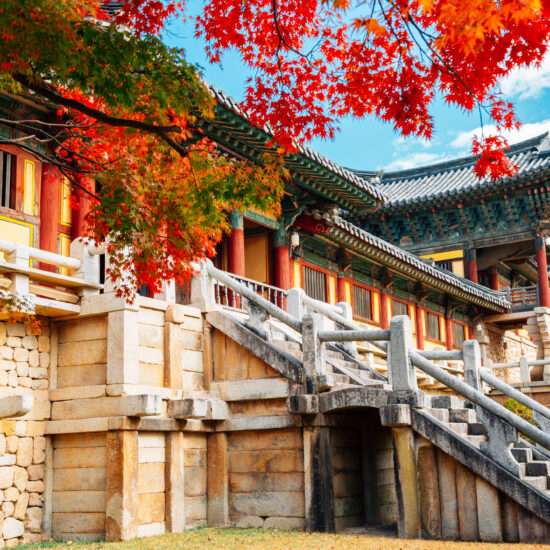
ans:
(459, 416)
(347, 372)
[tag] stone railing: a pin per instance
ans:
(309, 317)
(523, 365)
(25, 273)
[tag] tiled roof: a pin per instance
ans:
(369, 184)
(456, 177)
(420, 264)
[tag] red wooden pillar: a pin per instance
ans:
(235, 261)
(341, 288)
(85, 204)
(542, 270)
(449, 333)
(471, 335)
(493, 279)
(471, 259)
(49, 210)
(384, 315)
(282, 259)
(418, 326)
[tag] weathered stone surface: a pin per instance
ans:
(6, 476)
(13, 528)
(429, 491)
(151, 508)
(488, 512)
(79, 479)
(126, 405)
(34, 519)
(8, 508)
(30, 342)
(467, 503)
(284, 523)
(218, 482)
(81, 353)
(259, 481)
(11, 494)
(35, 471)
(20, 478)
(269, 460)
(78, 501)
(175, 482)
(78, 523)
(446, 467)
(24, 452)
(250, 521)
(16, 329)
(268, 503)
(21, 506)
(151, 477)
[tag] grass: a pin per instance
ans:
(269, 539)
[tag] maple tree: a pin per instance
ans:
(127, 105)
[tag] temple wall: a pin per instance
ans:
(25, 357)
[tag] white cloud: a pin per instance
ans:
(401, 142)
(463, 140)
(527, 82)
(414, 160)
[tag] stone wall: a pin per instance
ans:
(25, 357)
(456, 504)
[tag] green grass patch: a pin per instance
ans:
(271, 539)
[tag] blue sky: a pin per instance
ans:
(371, 145)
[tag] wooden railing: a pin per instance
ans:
(24, 273)
(227, 297)
(522, 297)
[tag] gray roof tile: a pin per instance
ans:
(455, 177)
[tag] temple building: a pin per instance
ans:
(241, 400)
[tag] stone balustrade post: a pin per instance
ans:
(19, 281)
(89, 265)
(202, 290)
(401, 372)
(347, 313)
(295, 303)
(314, 361)
(472, 363)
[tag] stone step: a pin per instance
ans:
(477, 428)
(475, 439)
(441, 414)
(447, 402)
(462, 415)
(538, 468)
(459, 427)
(538, 482)
(364, 374)
(522, 455)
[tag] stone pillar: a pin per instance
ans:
(493, 278)
(542, 271)
(406, 483)
(218, 479)
(418, 326)
(471, 264)
(384, 314)
(318, 479)
(235, 263)
(85, 203)
(49, 211)
(174, 478)
(121, 492)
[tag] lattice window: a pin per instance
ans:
(315, 284)
(399, 308)
(362, 302)
(433, 330)
(459, 334)
(7, 183)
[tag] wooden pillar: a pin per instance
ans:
(406, 484)
(471, 335)
(493, 279)
(449, 333)
(218, 479)
(419, 327)
(121, 492)
(471, 258)
(384, 315)
(235, 260)
(318, 479)
(85, 203)
(282, 259)
(49, 210)
(174, 483)
(542, 271)
(341, 288)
